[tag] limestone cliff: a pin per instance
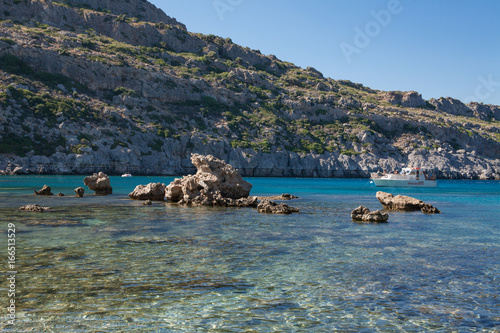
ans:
(118, 86)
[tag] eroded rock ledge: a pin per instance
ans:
(405, 203)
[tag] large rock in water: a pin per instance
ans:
(152, 191)
(215, 183)
(99, 182)
(403, 202)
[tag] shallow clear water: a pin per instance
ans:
(111, 264)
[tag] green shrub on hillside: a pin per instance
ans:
(47, 107)
(8, 41)
(14, 65)
(124, 91)
(20, 145)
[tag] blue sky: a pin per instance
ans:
(438, 48)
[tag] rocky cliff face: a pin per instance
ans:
(118, 86)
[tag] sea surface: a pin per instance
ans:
(110, 264)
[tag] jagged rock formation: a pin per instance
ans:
(151, 191)
(271, 207)
(364, 214)
(404, 203)
(46, 190)
(100, 183)
(34, 208)
(410, 99)
(121, 87)
(215, 183)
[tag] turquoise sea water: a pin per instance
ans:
(109, 264)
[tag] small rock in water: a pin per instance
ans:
(79, 192)
(284, 196)
(147, 203)
(268, 206)
(34, 208)
(363, 214)
(46, 190)
(429, 209)
(60, 194)
(55, 223)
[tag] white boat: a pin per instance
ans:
(127, 175)
(408, 177)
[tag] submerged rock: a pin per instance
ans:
(55, 223)
(147, 203)
(60, 194)
(99, 182)
(363, 214)
(215, 183)
(79, 192)
(284, 196)
(268, 206)
(34, 208)
(405, 203)
(216, 199)
(429, 209)
(46, 190)
(151, 191)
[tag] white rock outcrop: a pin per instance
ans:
(215, 183)
(151, 191)
(100, 183)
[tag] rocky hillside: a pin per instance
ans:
(118, 86)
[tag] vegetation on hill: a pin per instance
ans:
(149, 85)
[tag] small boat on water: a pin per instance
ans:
(127, 175)
(408, 177)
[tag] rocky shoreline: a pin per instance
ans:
(141, 95)
(445, 164)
